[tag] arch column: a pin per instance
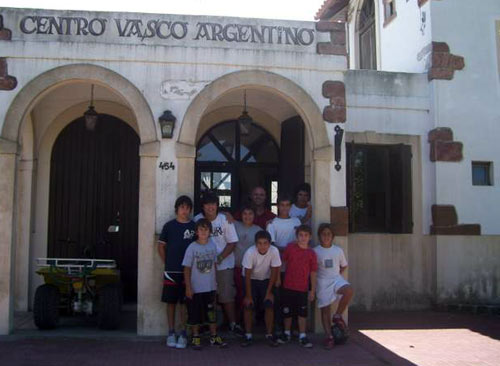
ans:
(149, 309)
(8, 150)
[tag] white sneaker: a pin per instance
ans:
(171, 341)
(181, 342)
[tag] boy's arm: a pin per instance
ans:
(312, 292)
(161, 250)
(228, 249)
(187, 281)
(342, 269)
(275, 272)
(247, 301)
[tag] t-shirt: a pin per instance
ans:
(223, 232)
(299, 265)
(261, 264)
(299, 213)
(177, 236)
(329, 261)
(259, 220)
(201, 258)
(246, 235)
(283, 230)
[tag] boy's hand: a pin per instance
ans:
(247, 302)
(189, 293)
(269, 297)
(311, 296)
(229, 217)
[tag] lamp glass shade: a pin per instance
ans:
(91, 118)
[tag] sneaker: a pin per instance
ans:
(329, 343)
(238, 330)
(171, 340)
(283, 338)
(196, 343)
(217, 341)
(304, 342)
(181, 342)
(272, 340)
(247, 341)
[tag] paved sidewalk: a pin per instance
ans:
(377, 339)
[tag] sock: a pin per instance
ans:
(287, 333)
(268, 335)
(232, 325)
(248, 335)
(302, 335)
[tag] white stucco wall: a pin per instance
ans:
(405, 42)
(469, 104)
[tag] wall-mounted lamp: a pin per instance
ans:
(167, 124)
(91, 115)
(339, 134)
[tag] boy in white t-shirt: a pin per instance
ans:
(282, 228)
(261, 264)
(330, 282)
(225, 238)
(301, 207)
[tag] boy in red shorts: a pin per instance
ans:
(301, 266)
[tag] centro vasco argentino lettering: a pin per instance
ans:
(166, 29)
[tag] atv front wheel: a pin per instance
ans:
(46, 307)
(109, 306)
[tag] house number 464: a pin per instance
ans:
(166, 165)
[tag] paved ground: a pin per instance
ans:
(400, 339)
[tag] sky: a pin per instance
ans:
(270, 9)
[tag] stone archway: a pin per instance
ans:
(303, 103)
(16, 116)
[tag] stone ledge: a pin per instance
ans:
(337, 44)
(443, 148)
(443, 63)
(339, 217)
(336, 112)
(444, 215)
(5, 34)
(421, 3)
(462, 229)
(7, 82)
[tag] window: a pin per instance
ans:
(481, 173)
(367, 44)
(379, 190)
(389, 11)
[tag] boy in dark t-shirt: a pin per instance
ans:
(175, 237)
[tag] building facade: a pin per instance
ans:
(400, 158)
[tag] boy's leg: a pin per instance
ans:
(326, 319)
(347, 294)
(302, 324)
(171, 317)
(226, 292)
(247, 312)
(269, 319)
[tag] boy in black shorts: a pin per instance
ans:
(261, 263)
(199, 275)
(175, 237)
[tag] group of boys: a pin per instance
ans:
(246, 269)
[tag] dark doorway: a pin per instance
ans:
(232, 163)
(94, 183)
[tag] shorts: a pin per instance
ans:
(174, 291)
(259, 289)
(226, 291)
(201, 309)
(293, 303)
(326, 290)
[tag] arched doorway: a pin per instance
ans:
(94, 196)
(231, 161)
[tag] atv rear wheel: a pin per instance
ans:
(46, 307)
(109, 306)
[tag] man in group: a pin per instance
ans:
(258, 202)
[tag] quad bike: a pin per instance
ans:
(78, 286)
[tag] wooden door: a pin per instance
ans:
(94, 183)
